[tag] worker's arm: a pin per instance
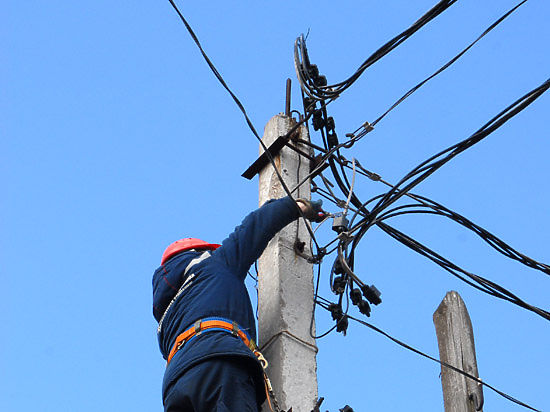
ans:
(248, 241)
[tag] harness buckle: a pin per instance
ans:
(268, 383)
(198, 326)
(235, 330)
(263, 361)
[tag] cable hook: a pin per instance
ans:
(476, 398)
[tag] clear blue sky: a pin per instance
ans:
(116, 140)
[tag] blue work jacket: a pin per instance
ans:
(214, 287)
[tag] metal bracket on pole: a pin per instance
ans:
(274, 149)
(282, 141)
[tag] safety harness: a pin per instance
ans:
(213, 324)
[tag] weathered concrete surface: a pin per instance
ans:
(285, 286)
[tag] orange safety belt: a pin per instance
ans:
(201, 325)
(232, 327)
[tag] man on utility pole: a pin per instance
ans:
(206, 326)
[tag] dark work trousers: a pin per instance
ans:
(215, 385)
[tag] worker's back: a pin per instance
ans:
(210, 289)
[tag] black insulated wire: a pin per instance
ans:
(370, 217)
(325, 305)
(308, 75)
(426, 168)
(365, 129)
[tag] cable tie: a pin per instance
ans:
(367, 126)
(340, 203)
(478, 398)
(345, 237)
(373, 176)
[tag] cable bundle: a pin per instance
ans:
(315, 85)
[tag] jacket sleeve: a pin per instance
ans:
(250, 238)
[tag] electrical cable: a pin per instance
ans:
(442, 363)
(315, 297)
(315, 85)
(370, 216)
(366, 129)
(425, 168)
(429, 166)
(475, 281)
(436, 208)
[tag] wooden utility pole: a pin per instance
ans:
(285, 283)
(455, 337)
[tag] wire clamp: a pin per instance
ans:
(367, 127)
(477, 398)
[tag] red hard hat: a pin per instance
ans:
(186, 244)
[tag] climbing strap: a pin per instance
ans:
(219, 324)
(269, 393)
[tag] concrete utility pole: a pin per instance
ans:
(285, 284)
(455, 337)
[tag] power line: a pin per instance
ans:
(381, 211)
(426, 168)
(444, 364)
(315, 85)
(425, 205)
(364, 130)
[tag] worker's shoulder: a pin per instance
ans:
(179, 262)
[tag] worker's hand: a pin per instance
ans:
(312, 210)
